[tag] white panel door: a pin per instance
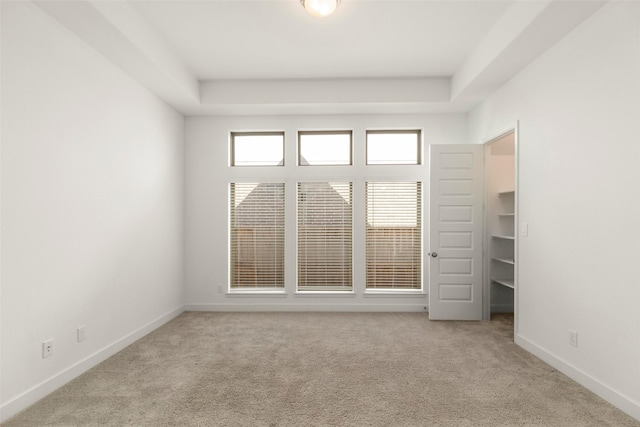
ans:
(455, 232)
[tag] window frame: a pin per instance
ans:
(419, 153)
(325, 132)
(232, 147)
(318, 288)
(280, 288)
(420, 187)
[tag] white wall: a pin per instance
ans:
(208, 176)
(92, 192)
(578, 106)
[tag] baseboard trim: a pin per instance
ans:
(360, 308)
(502, 308)
(31, 396)
(612, 396)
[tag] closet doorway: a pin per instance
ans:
(501, 223)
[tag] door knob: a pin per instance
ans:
(433, 254)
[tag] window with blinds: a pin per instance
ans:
(257, 235)
(325, 236)
(393, 235)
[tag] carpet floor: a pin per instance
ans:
(323, 369)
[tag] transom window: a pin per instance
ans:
(324, 148)
(399, 147)
(257, 148)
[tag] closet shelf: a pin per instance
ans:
(509, 283)
(502, 224)
(495, 236)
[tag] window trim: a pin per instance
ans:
(319, 292)
(417, 132)
(232, 147)
(325, 132)
(421, 290)
(247, 290)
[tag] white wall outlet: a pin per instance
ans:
(82, 333)
(524, 229)
(220, 288)
(47, 349)
(573, 338)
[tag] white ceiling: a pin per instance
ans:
(278, 39)
(257, 57)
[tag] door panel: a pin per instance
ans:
(455, 232)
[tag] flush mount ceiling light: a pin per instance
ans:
(320, 8)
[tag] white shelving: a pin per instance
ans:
(501, 225)
(503, 241)
(509, 283)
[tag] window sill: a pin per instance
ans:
(257, 292)
(320, 294)
(384, 293)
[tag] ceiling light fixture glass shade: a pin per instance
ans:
(320, 8)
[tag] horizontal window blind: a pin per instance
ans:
(324, 236)
(257, 235)
(393, 237)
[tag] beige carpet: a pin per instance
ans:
(323, 369)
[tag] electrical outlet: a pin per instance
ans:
(47, 349)
(573, 338)
(524, 229)
(220, 289)
(82, 333)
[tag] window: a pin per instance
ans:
(257, 148)
(324, 236)
(324, 148)
(393, 147)
(393, 236)
(257, 235)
